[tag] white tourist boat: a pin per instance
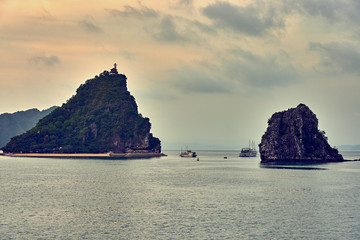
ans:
(188, 154)
(249, 151)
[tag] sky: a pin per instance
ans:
(206, 73)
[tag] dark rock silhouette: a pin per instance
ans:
(293, 136)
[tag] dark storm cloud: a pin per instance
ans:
(254, 19)
(90, 27)
(337, 57)
(41, 59)
(191, 80)
(143, 12)
(258, 71)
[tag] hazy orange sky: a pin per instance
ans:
(210, 72)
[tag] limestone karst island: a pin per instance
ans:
(293, 136)
(101, 120)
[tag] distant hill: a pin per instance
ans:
(13, 124)
(349, 147)
(101, 117)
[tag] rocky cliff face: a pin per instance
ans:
(101, 117)
(293, 136)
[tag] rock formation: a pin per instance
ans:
(102, 117)
(293, 136)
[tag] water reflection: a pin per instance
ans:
(273, 166)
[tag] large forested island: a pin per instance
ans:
(102, 117)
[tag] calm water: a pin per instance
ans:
(174, 198)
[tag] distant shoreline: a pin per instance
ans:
(85, 155)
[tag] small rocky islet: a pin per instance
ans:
(293, 136)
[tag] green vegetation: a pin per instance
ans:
(101, 117)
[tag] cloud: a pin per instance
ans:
(131, 12)
(190, 80)
(42, 59)
(165, 27)
(238, 70)
(334, 11)
(261, 18)
(168, 31)
(174, 29)
(90, 27)
(337, 57)
(253, 19)
(259, 71)
(185, 2)
(203, 28)
(328, 9)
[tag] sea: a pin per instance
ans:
(221, 196)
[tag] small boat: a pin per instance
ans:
(248, 152)
(188, 154)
